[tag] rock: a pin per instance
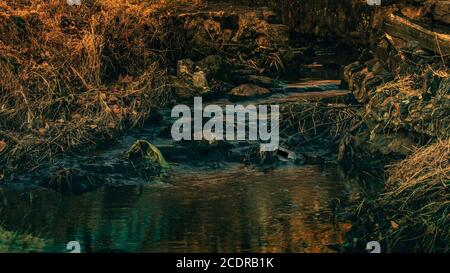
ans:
(259, 80)
(184, 88)
(236, 30)
(214, 66)
(391, 144)
(146, 154)
(248, 91)
(356, 84)
(383, 50)
(185, 67)
(366, 55)
(430, 82)
(264, 81)
(349, 72)
(191, 80)
(176, 153)
(441, 11)
(199, 80)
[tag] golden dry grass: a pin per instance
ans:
(307, 121)
(418, 200)
(74, 77)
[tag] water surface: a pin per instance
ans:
(234, 209)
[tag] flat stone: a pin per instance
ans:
(248, 91)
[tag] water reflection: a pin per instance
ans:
(234, 210)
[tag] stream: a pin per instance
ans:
(205, 203)
(289, 209)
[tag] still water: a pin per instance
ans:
(288, 209)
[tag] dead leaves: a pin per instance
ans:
(2, 145)
(43, 131)
(394, 225)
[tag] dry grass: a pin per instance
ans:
(74, 77)
(418, 201)
(403, 104)
(307, 121)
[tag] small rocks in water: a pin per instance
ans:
(248, 91)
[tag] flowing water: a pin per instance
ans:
(288, 209)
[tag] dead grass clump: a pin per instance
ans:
(407, 104)
(418, 201)
(306, 121)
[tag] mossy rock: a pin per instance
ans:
(144, 151)
(215, 67)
